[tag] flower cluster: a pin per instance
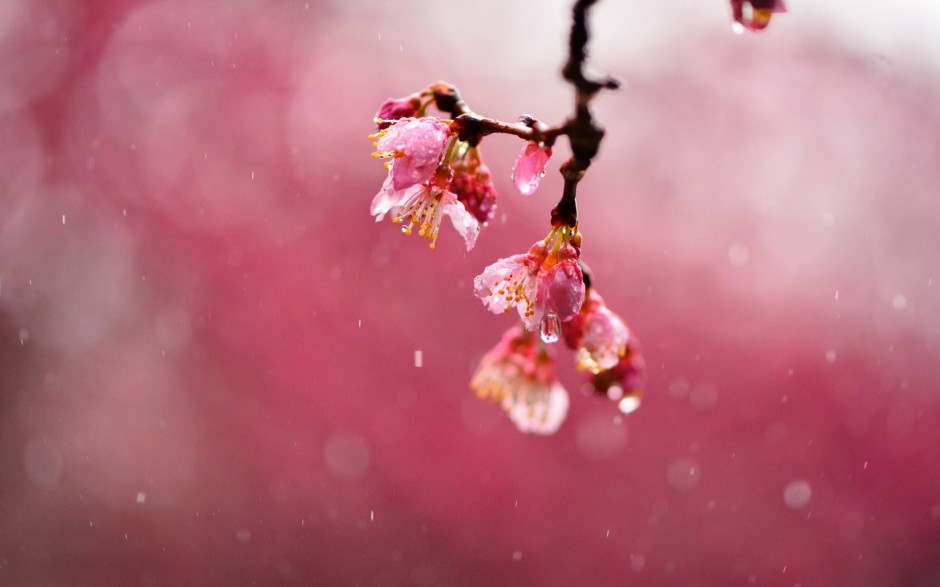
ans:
(519, 374)
(433, 173)
(417, 190)
(435, 169)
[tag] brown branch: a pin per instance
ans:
(583, 132)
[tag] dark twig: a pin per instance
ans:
(584, 134)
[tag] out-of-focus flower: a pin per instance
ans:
(472, 184)
(519, 374)
(598, 335)
(529, 167)
(754, 15)
(416, 146)
(624, 382)
(545, 285)
(422, 207)
(396, 108)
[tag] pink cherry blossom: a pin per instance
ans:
(598, 335)
(519, 374)
(544, 284)
(394, 109)
(530, 167)
(416, 146)
(390, 200)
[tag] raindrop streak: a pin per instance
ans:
(419, 359)
(550, 328)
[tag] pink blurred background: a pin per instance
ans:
(207, 346)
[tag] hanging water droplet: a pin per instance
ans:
(550, 328)
(754, 15)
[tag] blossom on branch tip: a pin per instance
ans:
(598, 335)
(545, 285)
(529, 167)
(519, 374)
(416, 147)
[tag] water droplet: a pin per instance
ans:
(550, 328)
(797, 494)
(630, 403)
(684, 474)
(637, 562)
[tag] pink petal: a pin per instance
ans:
(530, 167)
(463, 221)
(538, 410)
(561, 291)
(484, 283)
(389, 199)
(417, 145)
(605, 340)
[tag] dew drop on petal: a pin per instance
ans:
(550, 328)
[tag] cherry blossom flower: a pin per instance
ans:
(473, 185)
(519, 374)
(754, 15)
(416, 147)
(423, 207)
(396, 108)
(598, 335)
(624, 382)
(545, 285)
(530, 167)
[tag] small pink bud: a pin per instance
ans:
(394, 109)
(530, 167)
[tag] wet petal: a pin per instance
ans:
(464, 222)
(538, 409)
(389, 199)
(530, 168)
